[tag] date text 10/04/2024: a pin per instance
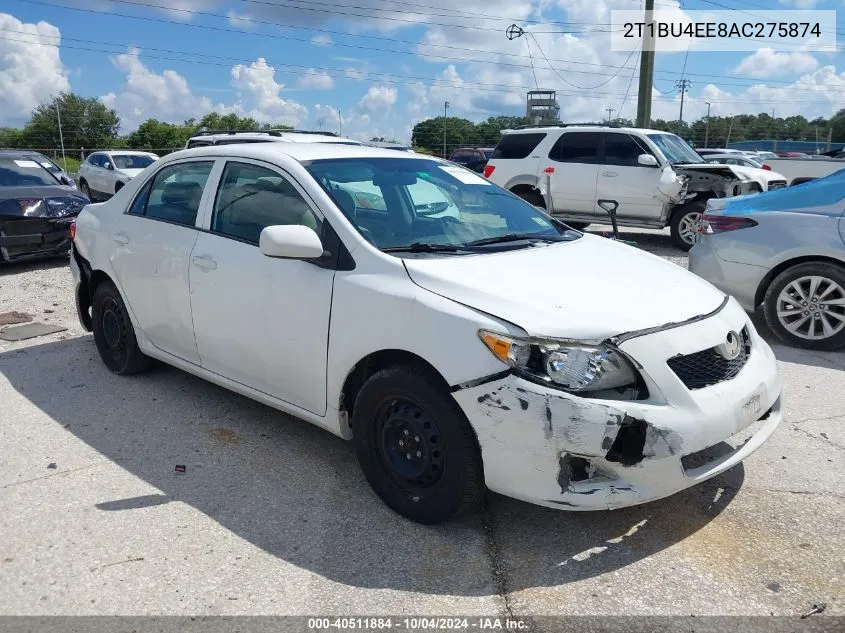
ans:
(419, 623)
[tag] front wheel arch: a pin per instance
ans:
(784, 265)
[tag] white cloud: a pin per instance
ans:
(378, 97)
(801, 4)
(355, 73)
(322, 40)
(168, 96)
(316, 80)
(767, 63)
(30, 73)
(256, 83)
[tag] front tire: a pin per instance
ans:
(114, 334)
(416, 447)
(805, 306)
(86, 190)
(684, 223)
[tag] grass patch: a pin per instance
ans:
(69, 164)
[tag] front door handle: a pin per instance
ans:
(205, 262)
(609, 174)
(121, 238)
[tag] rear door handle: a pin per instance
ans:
(206, 263)
(609, 174)
(121, 238)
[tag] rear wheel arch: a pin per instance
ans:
(760, 294)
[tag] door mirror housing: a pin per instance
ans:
(290, 241)
(647, 160)
(108, 165)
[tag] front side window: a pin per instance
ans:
(251, 198)
(622, 149)
(425, 207)
(576, 147)
(176, 191)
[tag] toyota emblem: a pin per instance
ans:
(732, 346)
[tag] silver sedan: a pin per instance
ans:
(783, 251)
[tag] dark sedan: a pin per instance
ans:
(36, 209)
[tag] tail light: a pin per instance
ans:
(712, 224)
(488, 170)
(72, 230)
(767, 168)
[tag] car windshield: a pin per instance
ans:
(676, 150)
(132, 161)
(24, 172)
(425, 206)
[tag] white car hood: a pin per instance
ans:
(760, 175)
(131, 173)
(589, 289)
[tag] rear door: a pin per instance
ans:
(575, 160)
(623, 179)
(153, 242)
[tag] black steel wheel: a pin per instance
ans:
(114, 334)
(416, 447)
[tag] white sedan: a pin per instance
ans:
(459, 342)
(751, 168)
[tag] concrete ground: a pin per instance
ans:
(273, 516)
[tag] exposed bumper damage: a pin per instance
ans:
(553, 448)
(682, 184)
(22, 238)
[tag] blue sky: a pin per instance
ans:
(383, 65)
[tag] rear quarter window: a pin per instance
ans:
(517, 145)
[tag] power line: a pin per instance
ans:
(562, 78)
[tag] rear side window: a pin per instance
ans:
(517, 145)
(175, 193)
(577, 147)
(622, 149)
(198, 144)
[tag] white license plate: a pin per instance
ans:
(751, 409)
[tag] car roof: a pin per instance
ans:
(298, 151)
(127, 152)
(582, 128)
(275, 137)
(9, 153)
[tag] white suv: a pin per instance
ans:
(104, 173)
(656, 177)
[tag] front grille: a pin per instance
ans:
(709, 367)
(776, 184)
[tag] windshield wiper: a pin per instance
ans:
(425, 247)
(516, 237)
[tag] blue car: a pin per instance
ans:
(782, 251)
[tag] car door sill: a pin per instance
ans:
(322, 421)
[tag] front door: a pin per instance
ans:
(623, 179)
(154, 240)
(260, 321)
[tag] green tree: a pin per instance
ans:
(86, 122)
(429, 134)
(153, 134)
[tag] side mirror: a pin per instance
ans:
(65, 180)
(290, 242)
(647, 160)
(108, 165)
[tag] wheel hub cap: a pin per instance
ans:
(812, 307)
(688, 227)
(411, 445)
(111, 327)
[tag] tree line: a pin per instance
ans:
(88, 123)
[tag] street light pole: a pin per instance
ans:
(707, 125)
(609, 112)
(61, 136)
(445, 107)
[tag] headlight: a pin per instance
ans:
(568, 365)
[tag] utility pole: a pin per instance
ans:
(682, 85)
(445, 107)
(61, 136)
(707, 125)
(609, 112)
(730, 128)
(829, 138)
(339, 123)
(646, 69)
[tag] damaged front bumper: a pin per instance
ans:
(553, 448)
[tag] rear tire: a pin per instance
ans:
(682, 226)
(783, 298)
(114, 334)
(416, 447)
